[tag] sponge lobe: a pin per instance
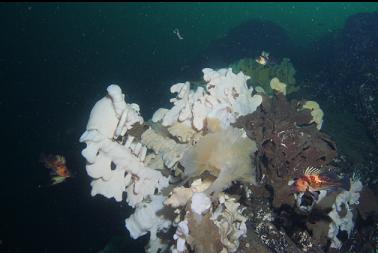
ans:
(225, 154)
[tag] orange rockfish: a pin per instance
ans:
(314, 180)
(57, 165)
(263, 59)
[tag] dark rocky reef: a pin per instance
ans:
(360, 35)
(348, 73)
(358, 56)
(287, 143)
(246, 40)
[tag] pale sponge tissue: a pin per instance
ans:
(104, 121)
(276, 85)
(231, 89)
(136, 148)
(144, 184)
(145, 219)
(299, 200)
(157, 245)
(344, 204)
(143, 181)
(182, 232)
(183, 132)
(200, 203)
(170, 151)
(159, 115)
(316, 113)
(259, 89)
(97, 164)
(226, 154)
(181, 109)
(129, 117)
(102, 152)
(115, 92)
(127, 114)
(181, 195)
(195, 132)
(113, 187)
(103, 118)
(229, 218)
(224, 91)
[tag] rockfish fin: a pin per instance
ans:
(60, 159)
(311, 171)
(57, 180)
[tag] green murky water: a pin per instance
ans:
(56, 61)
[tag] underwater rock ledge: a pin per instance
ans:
(226, 169)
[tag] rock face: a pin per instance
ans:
(239, 198)
(368, 106)
(350, 71)
(246, 40)
(360, 41)
(360, 34)
(249, 39)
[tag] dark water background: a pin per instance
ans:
(56, 61)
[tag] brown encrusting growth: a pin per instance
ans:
(287, 143)
(204, 236)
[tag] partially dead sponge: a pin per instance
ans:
(225, 154)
